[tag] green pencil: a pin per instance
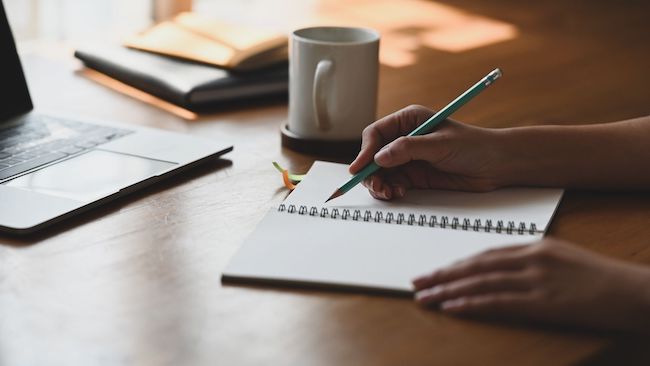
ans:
(424, 128)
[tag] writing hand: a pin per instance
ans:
(455, 156)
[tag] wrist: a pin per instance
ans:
(537, 155)
(514, 161)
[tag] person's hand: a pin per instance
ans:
(551, 281)
(455, 156)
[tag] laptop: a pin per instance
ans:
(52, 168)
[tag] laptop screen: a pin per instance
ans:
(14, 96)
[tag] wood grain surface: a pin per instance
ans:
(137, 281)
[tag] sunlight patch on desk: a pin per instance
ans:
(138, 94)
(464, 37)
(408, 25)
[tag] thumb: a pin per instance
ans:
(408, 148)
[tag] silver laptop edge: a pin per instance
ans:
(36, 198)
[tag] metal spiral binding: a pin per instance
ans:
(421, 220)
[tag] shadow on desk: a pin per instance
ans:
(308, 287)
(625, 351)
(110, 205)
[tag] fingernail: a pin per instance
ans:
(452, 304)
(400, 191)
(382, 157)
(421, 297)
(431, 292)
(427, 294)
(418, 296)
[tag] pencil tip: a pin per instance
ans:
(338, 193)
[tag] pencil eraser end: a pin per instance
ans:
(495, 74)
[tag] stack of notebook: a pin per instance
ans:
(195, 62)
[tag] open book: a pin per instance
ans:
(191, 37)
(358, 242)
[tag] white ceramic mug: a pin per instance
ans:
(333, 75)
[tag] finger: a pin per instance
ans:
(475, 285)
(484, 262)
(378, 189)
(497, 304)
(372, 139)
(506, 249)
(422, 175)
(367, 182)
(521, 249)
(385, 130)
(410, 175)
(387, 185)
(399, 191)
(383, 196)
(398, 182)
(376, 183)
(409, 148)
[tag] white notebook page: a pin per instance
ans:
(303, 249)
(292, 248)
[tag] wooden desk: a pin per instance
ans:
(138, 280)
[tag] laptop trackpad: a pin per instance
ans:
(91, 176)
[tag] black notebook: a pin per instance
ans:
(189, 85)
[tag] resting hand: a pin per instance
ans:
(455, 156)
(551, 281)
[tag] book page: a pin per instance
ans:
(195, 38)
(171, 39)
(527, 205)
(237, 37)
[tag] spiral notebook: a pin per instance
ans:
(358, 242)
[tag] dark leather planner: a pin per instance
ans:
(190, 85)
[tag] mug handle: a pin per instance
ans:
(318, 96)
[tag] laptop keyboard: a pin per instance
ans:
(42, 140)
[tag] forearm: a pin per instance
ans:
(603, 156)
